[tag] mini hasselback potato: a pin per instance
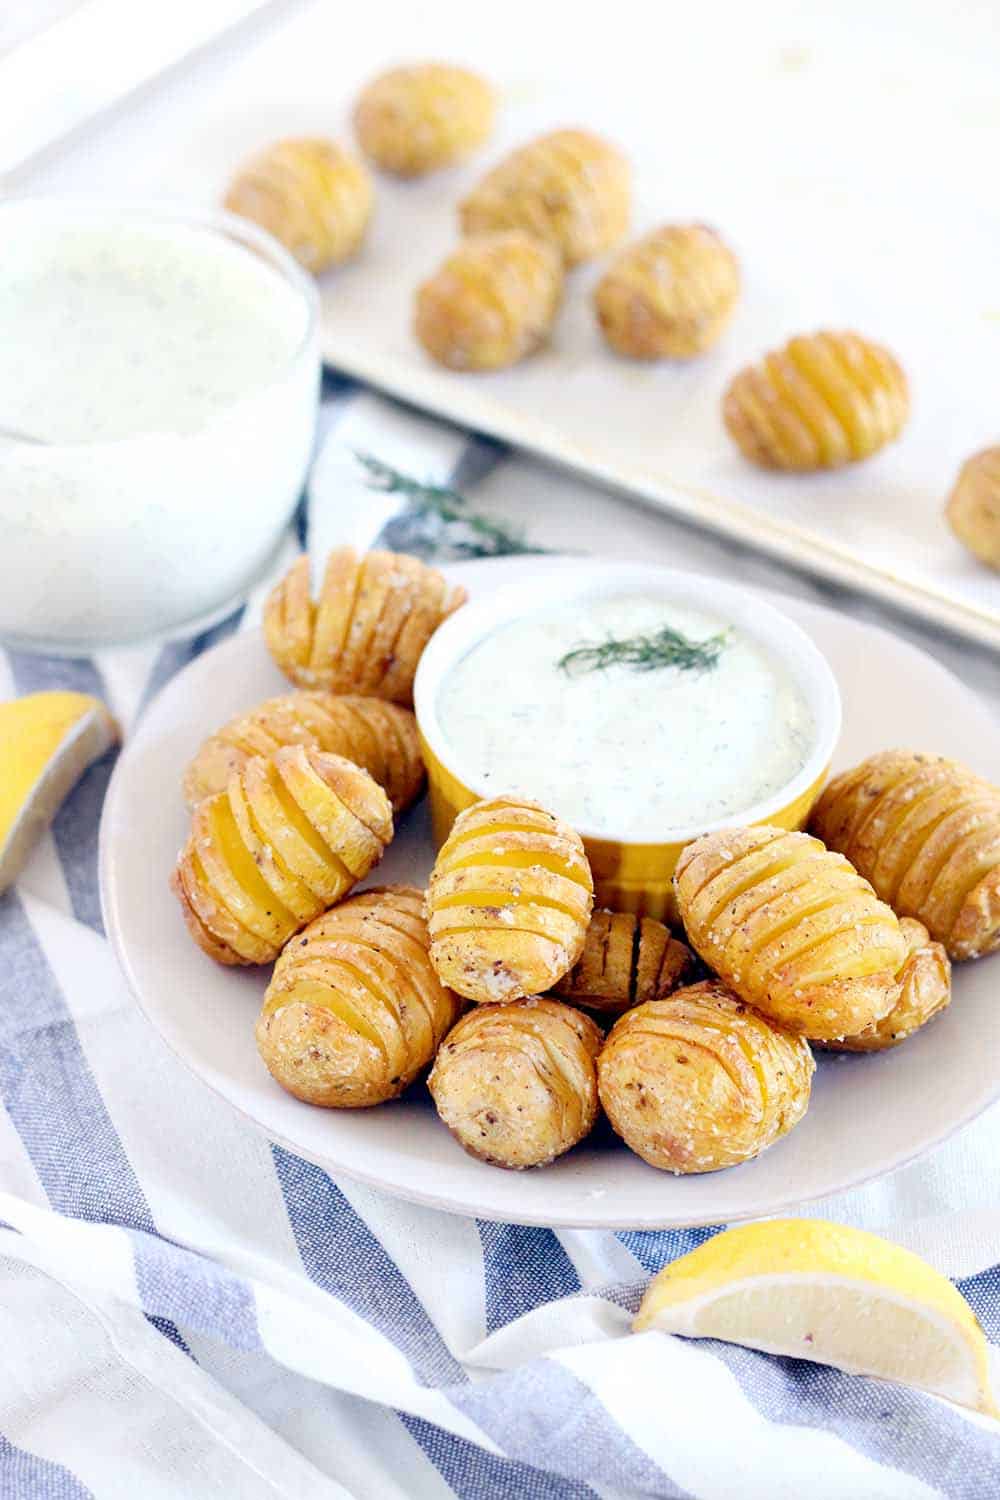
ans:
(515, 1084)
(312, 195)
(569, 188)
(791, 928)
(626, 960)
(419, 118)
(380, 736)
(491, 303)
(354, 1011)
(924, 991)
(290, 835)
(700, 1080)
(669, 295)
(973, 508)
(926, 832)
(366, 630)
(824, 400)
(509, 901)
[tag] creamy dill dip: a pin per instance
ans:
(166, 374)
(626, 748)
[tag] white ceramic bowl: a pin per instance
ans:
(629, 875)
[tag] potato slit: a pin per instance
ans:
(241, 866)
(516, 859)
(318, 995)
(495, 900)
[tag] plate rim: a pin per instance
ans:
(471, 1204)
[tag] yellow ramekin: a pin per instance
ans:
(628, 875)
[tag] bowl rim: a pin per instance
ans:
(219, 224)
(572, 578)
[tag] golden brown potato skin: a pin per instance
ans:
(290, 835)
(509, 901)
(926, 832)
(419, 118)
(824, 400)
(701, 1081)
(569, 188)
(515, 1084)
(366, 630)
(973, 508)
(354, 1011)
(626, 960)
(492, 302)
(791, 928)
(311, 195)
(670, 294)
(924, 991)
(382, 737)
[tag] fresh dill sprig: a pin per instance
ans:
(665, 647)
(462, 532)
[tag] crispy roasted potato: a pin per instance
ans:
(312, 195)
(700, 1080)
(416, 119)
(569, 188)
(626, 960)
(926, 832)
(290, 835)
(670, 294)
(509, 901)
(380, 736)
(491, 303)
(791, 928)
(973, 508)
(367, 629)
(515, 1084)
(924, 991)
(824, 400)
(354, 1011)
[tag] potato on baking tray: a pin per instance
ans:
(491, 302)
(421, 117)
(311, 194)
(669, 295)
(569, 188)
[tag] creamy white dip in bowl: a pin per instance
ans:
(722, 712)
(159, 378)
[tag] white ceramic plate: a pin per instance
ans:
(868, 1114)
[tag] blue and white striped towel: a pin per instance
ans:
(189, 1311)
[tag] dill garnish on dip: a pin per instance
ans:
(627, 715)
(662, 648)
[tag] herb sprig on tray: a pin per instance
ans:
(662, 648)
(438, 519)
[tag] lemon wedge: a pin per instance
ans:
(47, 741)
(824, 1292)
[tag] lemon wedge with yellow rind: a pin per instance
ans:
(824, 1292)
(47, 741)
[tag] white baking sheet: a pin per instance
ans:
(850, 158)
